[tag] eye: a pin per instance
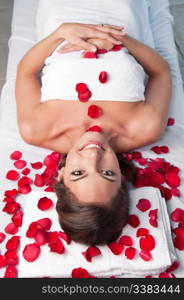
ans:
(77, 172)
(108, 173)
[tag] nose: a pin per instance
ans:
(92, 156)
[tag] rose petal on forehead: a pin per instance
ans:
(16, 155)
(116, 248)
(44, 203)
(95, 128)
(80, 273)
(11, 228)
(12, 175)
(37, 165)
(31, 252)
(143, 205)
(94, 111)
(20, 164)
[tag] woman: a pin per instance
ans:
(92, 194)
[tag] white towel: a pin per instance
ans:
(107, 264)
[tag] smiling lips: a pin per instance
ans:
(93, 145)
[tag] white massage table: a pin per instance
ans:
(22, 38)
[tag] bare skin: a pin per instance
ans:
(60, 125)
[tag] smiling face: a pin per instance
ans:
(92, 171)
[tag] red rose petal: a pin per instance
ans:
(81, 87)
(57, 247)
(142, 232)
(11, 228)
(171, 122)
(40, 237)
(103, 77)
(20, 164)
(31, 252)
(13, 243)
(116, 248)
(153, 222)
(65, 237)
(39, 181)
(80, 273)
(44, 203)
(153, 214)
(17, 218)
(133, 220)
(164, 149)
(177, 215)
(172, 179)
(95, 128)
(37, 165)
(32, 230)
(179, 242)
(84, 97)
(52, 236)
(101, 51)
(11, 207)
(2, 237)
(175, 192)
(56, 156)
(145, 255)
(45, 223)
(173, 267)
(12, 175)
(94, 111)
(87, 256)
(117, 48)
(126, 240)
(11, 193)
(164, 275)
(93, 251)
(16, 155)
(156, 149)
(24, 181)
(25, 189)
(166, 193)
(8, 199)
(179, 231)
(49, 189)
(147, 243)
(11, 272)
(143, 205)
(130, 253)
(89, 54)
(26, 171)
(2, 261)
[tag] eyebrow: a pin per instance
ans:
(84, 176)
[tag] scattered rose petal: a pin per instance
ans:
(116, 248)
(11, 272)
(32, 230)
(2, 261)
(81, 87)
(177, 215)
(12, 175)
(39, 181)
(130, 253)
(49, 189)
(117, 48)
(103, 77)
(65, 237)
(173, 267)
(2, 237)
(52, 236)
(57, 247)
(172, 179)
(16, 155)
(17, 218)
(45, 223)
(166, 193)
(44, 203)
(37, 165)
(142, 232)
(20, 164)
(164, 149)
(94, 111)
(11, 207)
(126, 240)
(133, 220)
(101, 51)
(13, 243)
(143, 205)
(164, 275)
(147, 243)
(179, 242)
(91, 252)
(156, 149)
(11, 193)
(26, 171)
(145, 255)
(84, 97)
(11, 228)
(153, 214)
(25, 189)
(31, 252)
(89, 55)
(153, 222)
(40, 237)
(175, 192)
(171, 122)
(95, 128)
(80, 273)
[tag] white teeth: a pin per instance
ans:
(92, 146)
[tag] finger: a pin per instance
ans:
(106, 25)
(111, 30)
(106, 36)
(72, 48)
(86, 45)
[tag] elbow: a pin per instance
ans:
(28, 134)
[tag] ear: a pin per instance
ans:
(60, 175)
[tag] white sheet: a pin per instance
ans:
(23, 36)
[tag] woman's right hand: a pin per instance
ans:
(78, 34)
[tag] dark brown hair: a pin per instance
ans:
(94, 224)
